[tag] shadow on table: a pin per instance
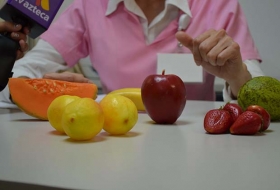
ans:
(22, 186)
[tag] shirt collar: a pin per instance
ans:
(183, 5)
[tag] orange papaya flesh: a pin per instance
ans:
(33, 96)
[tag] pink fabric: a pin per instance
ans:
(117, 47)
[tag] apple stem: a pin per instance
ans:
(163, 72)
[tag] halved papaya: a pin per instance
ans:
(33, 96)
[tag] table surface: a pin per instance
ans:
(150, 156)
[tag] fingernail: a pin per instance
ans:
(16, 35)
(17, 25)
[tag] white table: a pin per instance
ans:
(150, 157)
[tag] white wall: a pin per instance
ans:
(264, 22)
(64, 5)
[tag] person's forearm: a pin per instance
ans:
(243, 76)
(230, 91)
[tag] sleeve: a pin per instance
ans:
(67, 33)
(254, 69)
(42, 59)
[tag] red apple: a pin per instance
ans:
(164, 97)
(263, 113)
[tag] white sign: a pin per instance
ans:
(180, 64)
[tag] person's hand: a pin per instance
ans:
(67, 76)
(219, 55)
(16, 33)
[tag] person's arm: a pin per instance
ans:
(253, 67)
(42, 59)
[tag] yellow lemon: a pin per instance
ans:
(56, 109)
(120, 114)
(82, 119)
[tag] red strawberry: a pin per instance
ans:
(263, 113)
(234, 109)
(217, 121)
(248, 123)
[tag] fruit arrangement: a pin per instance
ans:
(83, 118)
(71, 107)
(263, 91)
(231, 118)
(163, 97)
